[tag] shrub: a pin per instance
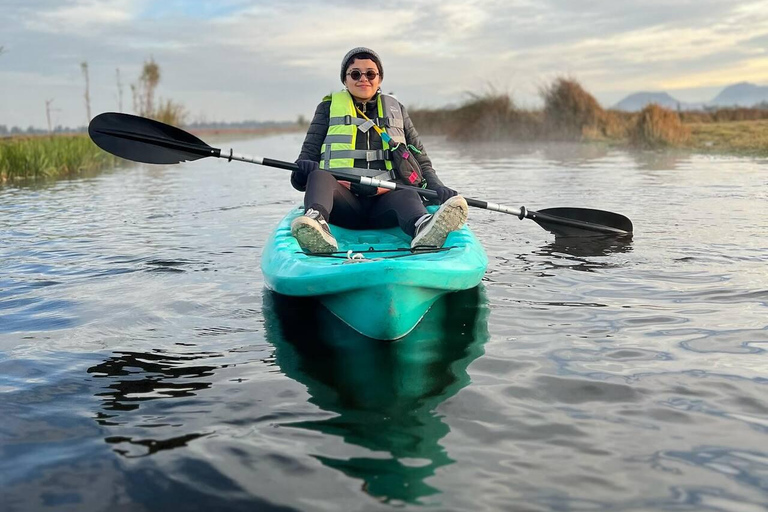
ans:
(658, 127)
(570, 112)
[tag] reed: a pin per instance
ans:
(170, 112)
(658, 127)
(34, 158)
(570, 112)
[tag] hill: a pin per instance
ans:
(639, 100)
(743, 94)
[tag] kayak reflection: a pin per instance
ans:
(384, 394)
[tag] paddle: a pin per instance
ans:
(145, 140)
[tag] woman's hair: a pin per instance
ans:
(362, 56)
(361, 52)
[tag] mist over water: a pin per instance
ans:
(143, 365)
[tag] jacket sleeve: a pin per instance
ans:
(412, 137)
(313, 141)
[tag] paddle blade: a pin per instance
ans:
(581, 222)
(145, 140)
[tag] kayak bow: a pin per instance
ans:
(376, 285)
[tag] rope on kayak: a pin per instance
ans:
(351, 256)
(356, 257)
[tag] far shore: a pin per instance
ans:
(570, 115)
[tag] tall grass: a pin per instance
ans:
(570, 112)
(749, 137)
(170, 112)
(658, 127)
(34, 158)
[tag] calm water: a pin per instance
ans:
(144, 367)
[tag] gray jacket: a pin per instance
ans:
(318, 128)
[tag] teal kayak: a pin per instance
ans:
(375, 284)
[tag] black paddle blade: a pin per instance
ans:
(145, 140)
(567, 222)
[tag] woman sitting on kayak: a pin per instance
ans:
(341, 137)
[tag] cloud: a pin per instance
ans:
(81, 15)
(236, 59)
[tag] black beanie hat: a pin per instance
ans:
(349, 57)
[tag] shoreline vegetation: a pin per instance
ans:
(33, 158)
(571, 114)
(30, 158)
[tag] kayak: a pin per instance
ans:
(375, 283)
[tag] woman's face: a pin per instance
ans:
(362, 88)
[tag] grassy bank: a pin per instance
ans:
(733, 136)
(43, 157)
(570, 113)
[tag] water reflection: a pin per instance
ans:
(137, 377)
(384, 394)
(575, 252)
(665, 160)
(561, 153)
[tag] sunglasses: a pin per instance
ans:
(357, 75)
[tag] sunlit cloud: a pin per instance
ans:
(750, 70)
(266, 59)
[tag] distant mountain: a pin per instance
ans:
(743, 94)
(639, 100)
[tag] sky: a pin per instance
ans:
(235, 60)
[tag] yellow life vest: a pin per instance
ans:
(338, 150)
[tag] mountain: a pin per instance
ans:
(743, 94)
(637, 101)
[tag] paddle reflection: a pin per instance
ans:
(573, 252)
(137, 377)
(384, 394)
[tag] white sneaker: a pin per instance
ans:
(433, 231)
(313, 234)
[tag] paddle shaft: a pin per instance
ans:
(373, 182)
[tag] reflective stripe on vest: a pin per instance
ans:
(338, 150)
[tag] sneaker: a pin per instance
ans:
(433, 230)
(313, 234)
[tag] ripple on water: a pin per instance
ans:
(144, 366)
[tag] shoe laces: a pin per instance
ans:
(421, 223)
(318, 217)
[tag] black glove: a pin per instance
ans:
(444, 193)
(306, 167)
(299, 176)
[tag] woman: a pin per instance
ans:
(339, 137)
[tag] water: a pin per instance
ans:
(144, 367)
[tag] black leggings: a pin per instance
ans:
(343, 208)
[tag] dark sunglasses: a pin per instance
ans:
(356, 75)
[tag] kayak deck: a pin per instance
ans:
(374, 284)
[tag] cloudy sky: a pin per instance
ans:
(231, 60)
